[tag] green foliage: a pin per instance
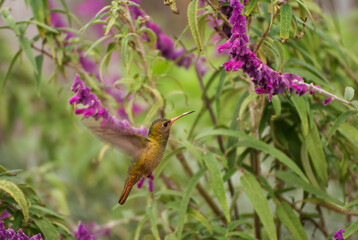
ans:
(240, 168)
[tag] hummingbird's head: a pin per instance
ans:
(161, 127)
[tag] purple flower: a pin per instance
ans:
(83, 233)
(10, 234)
(150, 182)
(338, 235)
(164, 43)
(327, 101)
(93, 108)
(266, 79)
(5, 214)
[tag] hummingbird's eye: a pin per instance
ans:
(165, 124)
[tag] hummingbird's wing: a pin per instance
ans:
(128, 141)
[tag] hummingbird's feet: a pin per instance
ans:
(150, 182)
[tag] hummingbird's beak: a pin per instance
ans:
(176, 118)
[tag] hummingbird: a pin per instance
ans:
(146, 152)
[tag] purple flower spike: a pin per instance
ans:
(83, 233)
(140, 183)
(266, 80)
(151, 186)
(95, 109)
(338, 235)
(10, 234)
(327, 101)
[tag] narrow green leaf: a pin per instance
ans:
(47, 229)
(292, 179)
(285, 20)
(259, 201)
(184, 202)
(276, 103)
(39, 60)
(193, 23)
(349, 132)
(219, 89)
(315, 150)
(246, 102)
(10, 20)
(67, 10)
(96, 43)
(26, 47)
(303, 12)
(302, 4)
(353, 203)
(217, 183)
(291, 221)
(339, 121)
(250, 7)
(281, 54)
(257, 144)
(300, 106)
(350, 230)
(12, 63)
(193, 150)
(152, 212)
(348, 93)
(305, 160)
(242, 235)
(43, 211)
(15, 192)
(201, 218)
(139, 227)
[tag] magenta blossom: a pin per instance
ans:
(266, 79)
(10, 234)
(83, 233)
(93, 108)
(150, 182)
(338, 235)
(5, 214)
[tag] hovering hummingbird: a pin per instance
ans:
(146, 153)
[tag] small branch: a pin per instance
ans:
(217, 9)
(321, 91)
(267, 30)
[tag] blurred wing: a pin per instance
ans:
(130, 142)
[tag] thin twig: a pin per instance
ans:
(267, 30)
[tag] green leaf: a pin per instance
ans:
(38, 10)
(15, 192)
(349, 132)
(193, 23)
(152, 212)
(201, 218)
(281, 54)
(258, 199)
(302, 4)
(218, 91)
(300, 106)
(292, 179)
(49, 231)
(276, 103)
(217, 183)
(12, 63)
(315, 150)
(305, 160)
(139, 227)
(348, 93)
(96, 43)
(339, 121)
(242, 235)
(290, 220)
(257, 144)
(250, 7)
(10, 20)
(353, 203)
(185, 201)
(245, 103)
(350, 230)
(285, 20)
(26, 47)
(39, 60)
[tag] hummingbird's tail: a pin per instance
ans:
(127, 189)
